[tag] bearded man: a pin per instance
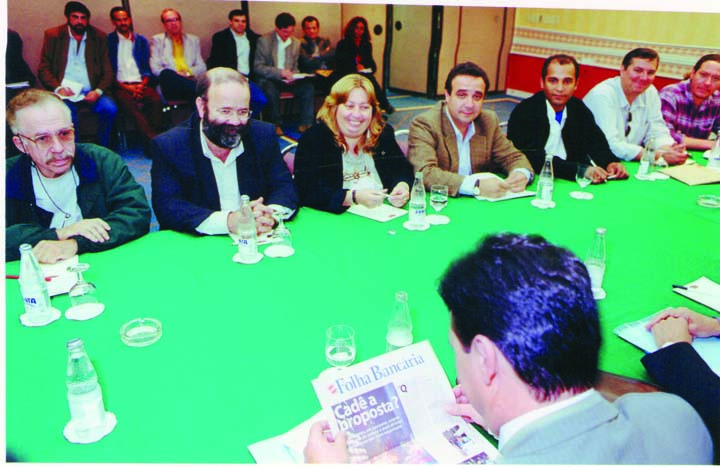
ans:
(202, 167)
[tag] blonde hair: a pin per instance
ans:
(27, 99)
(339, 95)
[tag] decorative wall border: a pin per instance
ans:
(605, 52)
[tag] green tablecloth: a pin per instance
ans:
(241, 343)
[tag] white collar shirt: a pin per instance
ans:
(464, 159)
(282, 45)
(128, 71)
(242, 46)
(554, 144)
(76, 69)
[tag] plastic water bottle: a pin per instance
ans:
(545, 183)
(399, 329)
(33, 286)
(595, 263)
(418, 204)
(647, 159)
(84, 395)
(247, 235)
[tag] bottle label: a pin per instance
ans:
(87, 410)
(546, 192)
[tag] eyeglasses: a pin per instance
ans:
(43, 142)
(628, 127)
(243, 114)
(172, 20)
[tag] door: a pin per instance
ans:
(411, 34)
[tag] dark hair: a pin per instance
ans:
(706, 58)
(284, 20)
(236, 12)
(643, 53)
(561, 59)
(309, 19)
(76, 7)
(115, 9)
(466, 68)
(533, 300)
(349, 32)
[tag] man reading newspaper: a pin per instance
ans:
(526, 337)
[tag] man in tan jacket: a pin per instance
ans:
(458, 144)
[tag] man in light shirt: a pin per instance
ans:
(61, 197)
(553, 121)
(74, 65)
(234, 47)
(202, 167)
(130, 58)
(525, 332)
(175, 58)
(627, 110)
(458, 144)
(276, 64)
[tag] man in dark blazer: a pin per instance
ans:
(224, 53)
(553, 121)
(679, 369)
(202, 167)
(60, 70)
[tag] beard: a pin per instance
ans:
(79, 29)
(224, 135)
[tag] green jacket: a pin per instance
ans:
(106, 190)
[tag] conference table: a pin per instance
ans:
(241, 343)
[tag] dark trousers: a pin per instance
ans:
(175, 87)
(149, 119)
(304, 93)
(106, 111)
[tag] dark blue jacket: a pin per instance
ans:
(140, 51)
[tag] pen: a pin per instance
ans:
(675, 286)
(47, 278)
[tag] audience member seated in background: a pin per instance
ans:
(526, 336)
(678, 368)
(627, 110)
(16, 71)
(201, 167)
(350, 156)
(353, 54)
(555, 122)
(458, 144)
(74, 62)
(691, 108)
(65, 198)
(317, 53)
(130, 60)
(175, 58)
(276, 60)
(234, 47)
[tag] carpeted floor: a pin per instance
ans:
(407, 107)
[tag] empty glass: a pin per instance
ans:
(340, 345)
(282, 238)
(581, 177)
(84, 301)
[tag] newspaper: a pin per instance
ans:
(392, 408)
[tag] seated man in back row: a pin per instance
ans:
(458, 144)
(555, 122)
(61, 197)
(202, 167)
(525, 331)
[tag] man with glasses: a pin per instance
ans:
(627, 110)
(74, 65)
(175, 58)
(65, 198)
(202, 167)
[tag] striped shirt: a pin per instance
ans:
(683, 118)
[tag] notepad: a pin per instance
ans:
(382, 213)
(703, 291)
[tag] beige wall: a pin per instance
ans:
(374, 14)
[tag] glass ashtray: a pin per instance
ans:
(141, 332)
(709, 201)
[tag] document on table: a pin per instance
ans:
(693, 174)
(61, 280)
(635, 333)
(508, 195)
(382, 213)
(703, 291)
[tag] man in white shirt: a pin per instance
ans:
(202, 167)
(276, 63)
(526, 337)
(129, 54)
(458, 144)
(234, 47)
(627, 109)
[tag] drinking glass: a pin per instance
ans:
(282, 238)
(582, 179)
(340, 345)
(83, 299)
(438, 201)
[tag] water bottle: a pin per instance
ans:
(33, 286)
(399, 329)
(87, 411)
(247, 235)
(545, 182)
(417, 202)
(595, 263)
(714, 156)
(647, 159)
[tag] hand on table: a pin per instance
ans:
(596, 174)
(494, 187)
(673, 155)
(53, 251)
(264, 220)
(617, 170)
(400, 195)
(697, 325)
(517, 181)
(321, 448)
(95, 230)
(370, 198)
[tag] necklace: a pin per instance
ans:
(67, 214)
